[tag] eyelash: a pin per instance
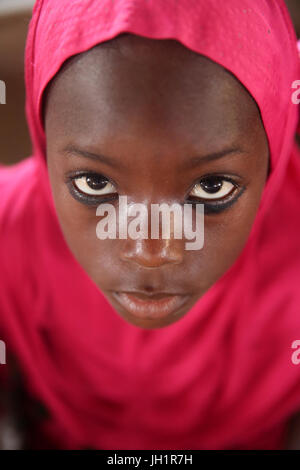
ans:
(209, 207)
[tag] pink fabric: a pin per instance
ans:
(221, 377)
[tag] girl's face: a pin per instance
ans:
(158, 123)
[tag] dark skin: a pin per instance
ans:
(152, 107)
(156, 111)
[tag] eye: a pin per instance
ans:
(94, 185)
(213, 188)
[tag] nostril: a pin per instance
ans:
(150, 261)
(152, 253)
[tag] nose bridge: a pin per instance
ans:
(159, 243)
(156, 245)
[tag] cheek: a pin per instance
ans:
(227, 234)
(78, 224)
(99, 258)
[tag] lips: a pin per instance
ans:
(150, 307)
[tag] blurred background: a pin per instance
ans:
(14, 20)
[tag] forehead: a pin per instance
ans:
(134, 83)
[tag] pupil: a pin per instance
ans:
(96, 182)
(211, 185)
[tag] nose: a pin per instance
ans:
(152, 253)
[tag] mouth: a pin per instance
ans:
(152, 307)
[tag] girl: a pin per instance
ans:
(139, 343)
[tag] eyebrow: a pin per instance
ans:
(194, 161)
(71, 150)
(199, 159)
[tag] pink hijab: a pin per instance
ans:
(221, 377)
